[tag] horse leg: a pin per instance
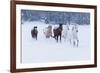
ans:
(36, 37)
(57, 38)
(73, 42)
(60, 38)
(70, 41)
(77, 42)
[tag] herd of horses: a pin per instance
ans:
(69, 34)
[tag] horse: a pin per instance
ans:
(48, 31)
(75, 39)
(58, 32)
(66, 33)
(34, 32)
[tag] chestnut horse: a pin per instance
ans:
(58, 32)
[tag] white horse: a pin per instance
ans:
(65, 33)
(70, 34)
(75, 40)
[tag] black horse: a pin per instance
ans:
(58, 32)
(34, 32)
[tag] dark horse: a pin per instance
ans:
(34, 32)
(58, 32)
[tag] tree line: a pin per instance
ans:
(55, 17)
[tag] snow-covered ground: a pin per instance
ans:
(48, 50)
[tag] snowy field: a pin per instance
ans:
(48, 50)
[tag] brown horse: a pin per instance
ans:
(58, 32)
(48, 31)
